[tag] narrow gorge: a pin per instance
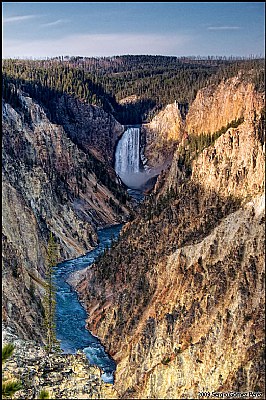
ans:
(71, 316)
(184, 285)
(160, 225)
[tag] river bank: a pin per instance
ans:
(63, 376)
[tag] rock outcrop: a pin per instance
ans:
(215, 107)
(161, 135)
(90, 127)
(63, 376)
(49, 185)
(179, 301)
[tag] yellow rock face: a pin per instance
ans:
(208, 323)
(161, 133)
(214, 108)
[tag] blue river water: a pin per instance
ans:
(71, 316)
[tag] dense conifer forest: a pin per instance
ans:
(132, 88)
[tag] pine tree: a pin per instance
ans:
(7, 351)
(9, 387)
(49, 298)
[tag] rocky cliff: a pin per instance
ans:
(165, 130)
(90, 127)
(216, 106)
(63, 376)
(179, 301)
(49, 185)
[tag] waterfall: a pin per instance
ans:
(127, 152)
(128, 164)
(127, 156)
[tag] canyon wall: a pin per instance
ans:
(213, 108)
(216, 106)
(165, 130)
(203, 329)
(179, 301)
(90, 127)
(49, 185)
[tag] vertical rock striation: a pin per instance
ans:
(90, 127)
(215, 107)
(162, 134)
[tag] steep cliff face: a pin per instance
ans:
(49, 185)
(215, 107)
(232, 166)
(204, 326)
(161, 134)
(89, 126)
(179, 301)
(203, 329)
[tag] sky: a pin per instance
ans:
(96, 29)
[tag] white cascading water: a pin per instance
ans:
(127, 157)
(127, 161)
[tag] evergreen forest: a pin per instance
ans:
(133, 88)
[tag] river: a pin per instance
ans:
(71, 316)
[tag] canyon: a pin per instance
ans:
(178, 301)
(49, 185)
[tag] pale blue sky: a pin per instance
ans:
(104, 29)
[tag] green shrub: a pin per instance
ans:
(44, 394)
(7, 351)
(9, 388)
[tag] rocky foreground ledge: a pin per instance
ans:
(64, 376)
